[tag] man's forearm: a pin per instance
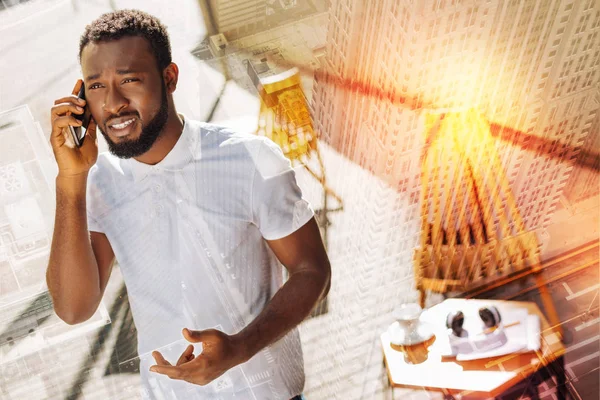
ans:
(72, 274)
(290, 306)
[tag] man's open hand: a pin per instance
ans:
(220, 352)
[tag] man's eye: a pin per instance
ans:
(130, 79)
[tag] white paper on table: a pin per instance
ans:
(521, 338)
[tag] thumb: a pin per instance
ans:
(193, 336)
(91, 130)
(89, 142)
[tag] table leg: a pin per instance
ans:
(561, 378)
(533, 393)
(385, 371)
(387, 378)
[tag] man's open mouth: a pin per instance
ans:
(122, 128)
(123, 125)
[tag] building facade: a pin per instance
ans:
(234, 18)
(531, 67)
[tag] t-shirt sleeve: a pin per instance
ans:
(93, 225)
(278, 208)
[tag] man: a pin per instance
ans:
(199, 217)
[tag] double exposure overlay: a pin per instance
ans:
(450, 152)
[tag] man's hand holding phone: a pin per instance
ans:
(72, 160)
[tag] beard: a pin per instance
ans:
(150, 132)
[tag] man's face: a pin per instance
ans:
(126, 94)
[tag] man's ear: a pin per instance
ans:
(171, 75)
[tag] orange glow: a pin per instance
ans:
(472, 232)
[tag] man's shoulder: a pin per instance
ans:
(222, 136)
(221, 141)
(261, 152)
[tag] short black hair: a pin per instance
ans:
(117, 24)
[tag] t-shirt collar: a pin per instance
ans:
(180, 155)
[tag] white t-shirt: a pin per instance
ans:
(189, 236)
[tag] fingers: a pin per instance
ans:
(170, 371)
(70, 99)
(187, 355)
(77, 87)
(63, 108)
(160, 360)
(64, 122)
(61, 119)
(60, 134)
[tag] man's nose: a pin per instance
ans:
(114, 102)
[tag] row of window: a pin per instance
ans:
(586, 82)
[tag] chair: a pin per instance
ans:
(472, 234)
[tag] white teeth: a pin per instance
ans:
(123, 125)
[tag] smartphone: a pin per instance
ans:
(78, 132)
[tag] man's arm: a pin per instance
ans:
(79, 265)
(305, 258)
(80, 262)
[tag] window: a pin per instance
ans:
(581, 63)
(438, 4)
(574, 46)
(574, 83)
(582, 23)
(590, 41)
(565, 69)
(589, 79)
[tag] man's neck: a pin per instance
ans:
(165, 143)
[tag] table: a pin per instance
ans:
(421, 367)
